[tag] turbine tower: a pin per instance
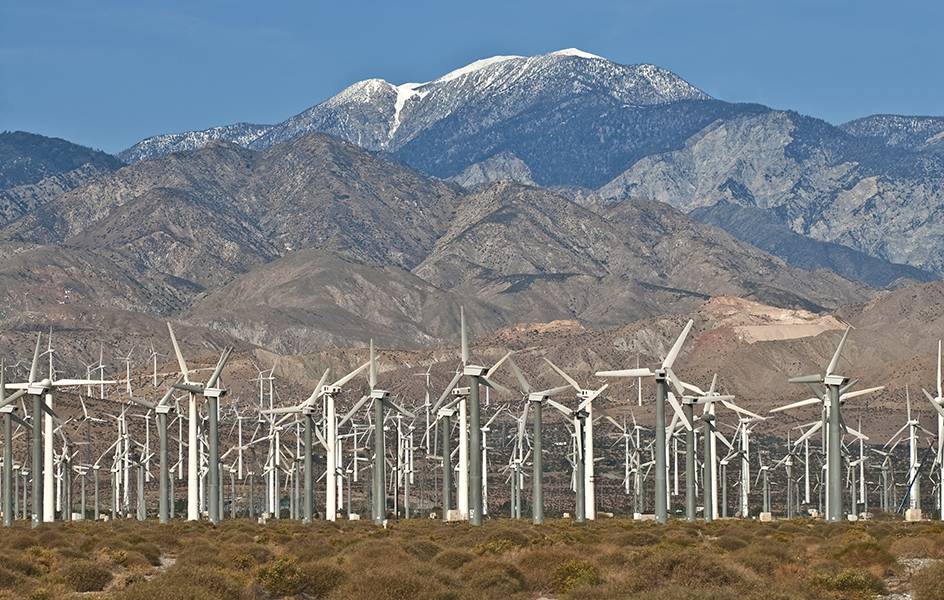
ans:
(662, 376)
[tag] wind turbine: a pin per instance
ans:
(911, 425)
(38, 389)
(212, 395)
(938, 403)
(535, 399)
(7, 406)
(381, 398)
(587, 397)
(833, 383)
(662, 376)
(477, 375)
(161, 408)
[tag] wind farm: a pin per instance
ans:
(444, 450)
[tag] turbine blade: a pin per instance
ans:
(32, 375)
(495, 386)
(674, 352)
(520, 376)
(678, 410)
(555, 391)
(357, 407)
(592, 397)
(465, 337)
(566, 377)
(806, 379)
(937, 407)
(567, 412)
(314, 395)
(219, 368)
(351, 375)
(142, 402)
(806, 402)
(496, 365)
(675, 382)
(373, 366)
(180, 357)
(449, 388)
(939, 393)
(626, 373)
(834, 363)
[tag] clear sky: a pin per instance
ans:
(108, 73)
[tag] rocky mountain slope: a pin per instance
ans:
(908, 133)
(593, 129)
(811, 177)
(541, 257)
(34, 169)
(760, 228)
(309, 245)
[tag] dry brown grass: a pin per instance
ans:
(505, 560)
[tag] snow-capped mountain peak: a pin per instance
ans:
(575, 52)
(381, 116)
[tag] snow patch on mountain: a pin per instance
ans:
(361, 92)
(404, 93)
(574, 52)
(476, 66)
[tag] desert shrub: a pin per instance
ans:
(20, 541)
(736, 531)
(515, 536)
(41, 593)
(865, 554)
(259, 555)
(790, 528)
(929, 582)
(502, 540)
(538, 564)
(453, 559)
(281, 576)
(573, 573)
(190, 582)
(763, 556)
(685, 567)
(913, 547)
(492, 577)
(636, 538)
(389, 583)
(858, 583)
(319, 578)
(86, 576)
(422, 549)
(11, 580)
(21, 565)
(135, 560)
(150, 552)
(200, 553)
(52, 539)
(88, 544)
(729, 543)
(375, 551)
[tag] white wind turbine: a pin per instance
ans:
(212, 394)
(938, 403)
(663, 376)
(912, 425)
(43, 502)
(587, 397)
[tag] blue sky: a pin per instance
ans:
(108, 73)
